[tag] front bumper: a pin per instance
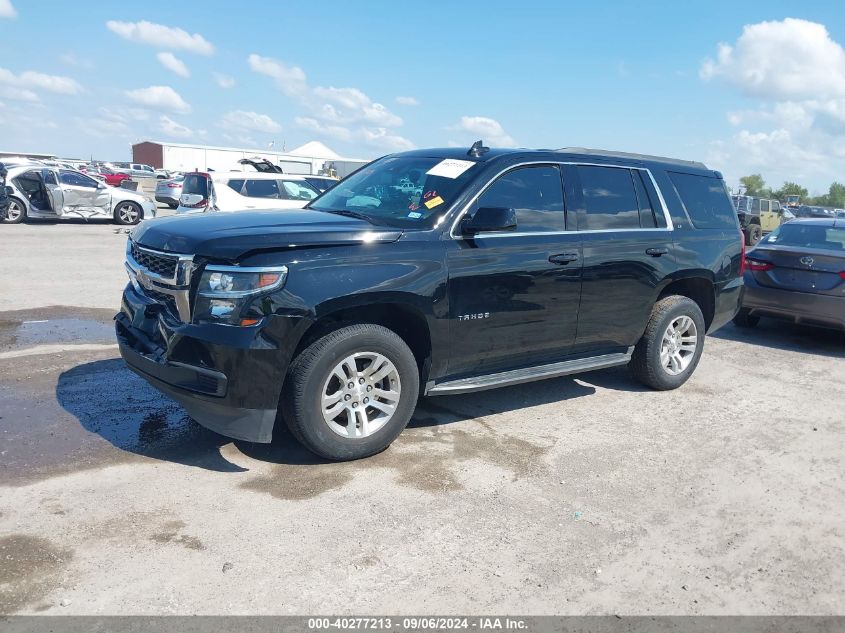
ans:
(227, 378)
(149, 209)
(799, 307)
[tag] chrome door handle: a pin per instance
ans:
(563, 258)
(656, 252)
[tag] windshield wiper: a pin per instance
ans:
(349, 214)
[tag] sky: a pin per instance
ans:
(746, 87)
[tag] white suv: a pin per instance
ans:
(243, 191)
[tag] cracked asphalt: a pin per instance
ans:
(577, 495)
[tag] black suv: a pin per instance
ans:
(430, 272)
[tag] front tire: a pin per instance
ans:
(128, 213)
(351, 392)
(16, 212)
(671, 346)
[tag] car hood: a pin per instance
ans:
(230, 235)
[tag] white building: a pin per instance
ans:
(311, 158)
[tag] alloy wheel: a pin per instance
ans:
(14, 212)
(360, 395)
(127, 213)
(678, 346)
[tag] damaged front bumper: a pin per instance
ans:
(228, 379)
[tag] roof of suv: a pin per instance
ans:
(565, 153)
(252, 175)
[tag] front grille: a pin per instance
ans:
(168, 301)
(158, 263)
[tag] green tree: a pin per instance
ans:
(755, 186)
(791, 189)
(836, 195)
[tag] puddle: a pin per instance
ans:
(29, 570)
(55, 325)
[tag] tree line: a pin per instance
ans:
(754, 185)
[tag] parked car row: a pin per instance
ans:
(40, 191)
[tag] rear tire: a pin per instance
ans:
(745, 319)
(16, 212)
(128, 213)
(342, 422)
(753, 234)
(669, 350)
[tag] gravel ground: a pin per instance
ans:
(577, 495)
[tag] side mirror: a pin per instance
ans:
(489, 219)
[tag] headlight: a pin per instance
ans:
(226, 293)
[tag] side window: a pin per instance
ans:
(237, 184)
(775, 206)
(75, 179)
(261, 189)
(49, 177)
(293, 190)
(534, 192)
(765, 206)
(647, 214)
(706, 200)
(755, 205)
(610, 201)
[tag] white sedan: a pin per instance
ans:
(44, 192)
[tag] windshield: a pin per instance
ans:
(401, 191)
(808, 236)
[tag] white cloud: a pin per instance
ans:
(382, 139)
(334, 131)
(485, 128)
(101, 128)
(173, 64)
(72, 59)
(7, 10)
(171, 128)
(159, 98)
(18, 94)
(331, 110)
(161, 36)
(224, 81)
(242, 120)
(51, 83)
(796, 73)
(30, 79)
(782, 60)
(408, 101)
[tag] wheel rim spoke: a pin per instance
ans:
(360, 394)
(678, 345)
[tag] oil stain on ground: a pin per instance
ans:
(170, 534)
(426, 459)
(29, 569)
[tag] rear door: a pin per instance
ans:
(54, 190)
(513, 295)
(628, 251)
(769, 218)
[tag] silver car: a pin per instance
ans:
(169, 191)
(53, 193)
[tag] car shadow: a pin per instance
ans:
(123, 409)
(787, 336)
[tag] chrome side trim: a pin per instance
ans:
(669, 224)
(518, 376)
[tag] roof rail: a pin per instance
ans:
(631, 156)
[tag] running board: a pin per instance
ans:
(517, 376)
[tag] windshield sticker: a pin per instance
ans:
(415, 215)
(430, 204)
(450, 168)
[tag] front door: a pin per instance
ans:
(513, 295)
(628, 251)
(83, 195)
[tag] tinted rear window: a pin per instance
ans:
(194, 183)
(610, 201)
(808, 236)
(706, 201)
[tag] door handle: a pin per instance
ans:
(656, 252)
(563, 258)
